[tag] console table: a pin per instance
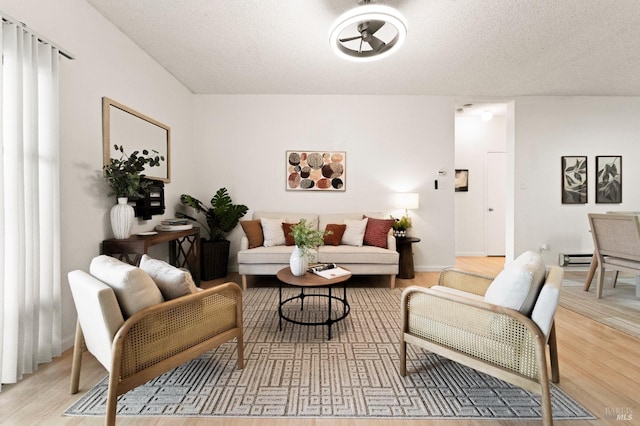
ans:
(184, 248)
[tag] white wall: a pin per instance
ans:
(392, 144)
(473, 140)
(107, 64)
(547, 128)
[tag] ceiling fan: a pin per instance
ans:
(367, 30)
(380, 30)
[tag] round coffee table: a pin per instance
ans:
(310, 280)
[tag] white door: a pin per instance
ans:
(495, 225)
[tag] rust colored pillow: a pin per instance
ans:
(337, 231)
(253, 230)
(286, 227)
(377, 231)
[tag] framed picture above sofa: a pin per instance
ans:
(316, 170)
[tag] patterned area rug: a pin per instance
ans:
(297, 372)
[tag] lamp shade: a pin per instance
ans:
(406, 200)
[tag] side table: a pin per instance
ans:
(184, 248)
(404, 248)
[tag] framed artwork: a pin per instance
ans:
(316, 170)
(574, 180)
(462, 180)
(609, 179)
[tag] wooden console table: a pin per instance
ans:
(184, 248)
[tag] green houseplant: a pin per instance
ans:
(400, 226)
(220, 219)
(307, 240)
(124, 174)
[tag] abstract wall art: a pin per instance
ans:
(574, 180)
(316, 170)
(609, 179)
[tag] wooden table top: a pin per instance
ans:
(308, 279)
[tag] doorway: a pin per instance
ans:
(480, 148)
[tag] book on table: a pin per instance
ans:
(328, 270)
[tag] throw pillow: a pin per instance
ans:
(272, 232)
(354, 233)
(377, 232)
(171, 281)
(134, 288)
(519, 283)
(335, 237)
(253, 230)
(288, 238)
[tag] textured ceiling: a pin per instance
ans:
(470, 48)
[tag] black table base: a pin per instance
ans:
(330, 298)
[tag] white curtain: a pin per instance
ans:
(30, 321)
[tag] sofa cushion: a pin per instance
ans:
(288, 237)
(333, 233)
(272, 232)
(253, 230)
(134, 288)
(327, 218)
(344, 255)
(172, 282)
(519, 283)
(289, 217)
(376, 232)
(354, 233)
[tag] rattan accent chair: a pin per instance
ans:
(154, 340)
(455, 322)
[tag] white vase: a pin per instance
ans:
(122, 219)
(298, 262)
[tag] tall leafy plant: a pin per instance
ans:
(220, 218)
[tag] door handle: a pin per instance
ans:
(490, 209)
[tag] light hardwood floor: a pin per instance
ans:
(599, 368)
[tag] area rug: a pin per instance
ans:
(619, 307)
(297, 372)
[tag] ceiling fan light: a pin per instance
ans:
(366, 13)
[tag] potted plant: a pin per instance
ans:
(124, 176)
(307, 241)
(400, 226)
(220, 219)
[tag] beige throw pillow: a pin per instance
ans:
(272, 231)
(172, 282)
(134, 288)
(354, 234)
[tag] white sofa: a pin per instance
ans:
(360, 260)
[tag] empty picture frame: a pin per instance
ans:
(316, 170)
(609, 179)
(574, 180)
(462, 180)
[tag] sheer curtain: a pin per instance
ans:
(30, 321)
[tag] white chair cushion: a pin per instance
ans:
(172, 282)
(519, 283)
(134, 288)
(354, 234)
(272, 231)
